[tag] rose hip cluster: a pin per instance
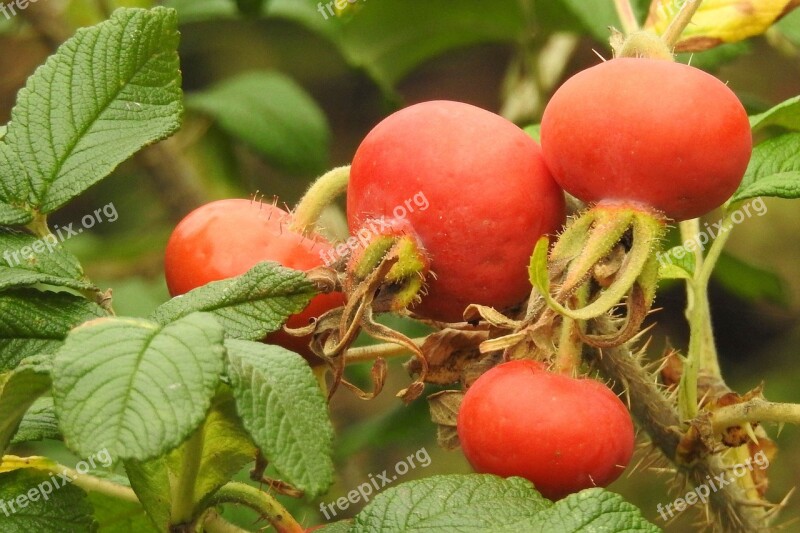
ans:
(659, 136)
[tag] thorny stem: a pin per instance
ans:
(656, 414)
(261, 502)
(321, 193)
(755, 410)
(673, 32)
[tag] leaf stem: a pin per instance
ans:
(183, 491)
(261, 502)
(673, 32)
(95, 484)
(321, 193)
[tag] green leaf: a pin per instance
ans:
(284, 410)
(343, 526)
(248, 306)
(13, 188)
(274, 115)
(784, 115)
(227, 448)
(39, 422)
(774, 169)
(593, 510)
(27, 261)
(107, 92)
(478, 503)
(463, 503)
(117, 516)
(750, 282)
(389, 40)
(18, 390)
(33, 322)
(676, 263)
(46, 507)
(136, 388)
(150, 481)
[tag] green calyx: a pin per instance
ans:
(399, 258)
(620, 238)
(642, 43)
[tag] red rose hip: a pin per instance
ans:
(475, 189)
(562, 434)
(658, 133)
(227, 238)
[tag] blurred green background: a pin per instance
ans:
(278, 96)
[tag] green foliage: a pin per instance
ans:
(66, 508)
(18, 390)
(136, 388)
(284, 410)
(774, 169)
(475, 503)
(40, 422)
(274, 115)
(59, 141)
(249, 306)
(33, 322)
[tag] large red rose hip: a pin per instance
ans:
(659, 133)
(476, 191)
(562, 434)
(227, 238)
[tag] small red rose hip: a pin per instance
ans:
(227, 238)
(654, 132)
(561, 433)
(476, 191)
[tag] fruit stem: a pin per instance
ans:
(702, 349)
(261, 502)
(626, 16)
(370, 353)
(682, 19)
(321, 193)
(755, 410)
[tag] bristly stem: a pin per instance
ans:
(321, 193)
(673, 32)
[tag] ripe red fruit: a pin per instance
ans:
(656, 132)
(227, 238)
(562, 434)
(476, 191)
